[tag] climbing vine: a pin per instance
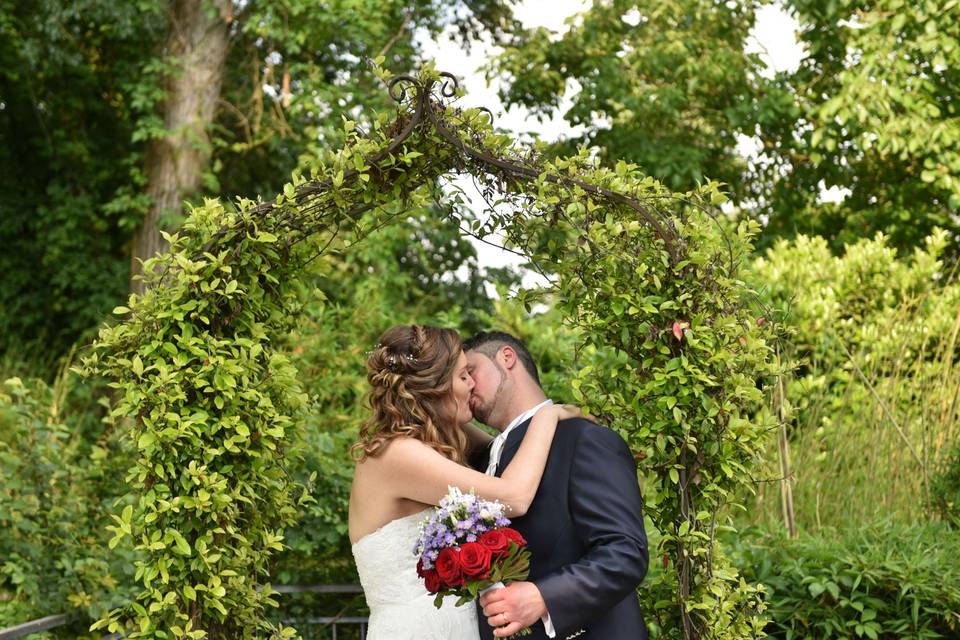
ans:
(647, 275)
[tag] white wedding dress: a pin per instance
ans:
(400, 607)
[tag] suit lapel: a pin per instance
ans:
(511, 445)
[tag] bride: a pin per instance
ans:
(413, 447)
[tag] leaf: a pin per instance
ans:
(181, 545)
(834, 589)
(146, 439)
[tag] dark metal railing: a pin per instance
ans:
(335, 624)
(34, 626)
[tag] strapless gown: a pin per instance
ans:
(400, 607)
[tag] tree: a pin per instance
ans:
(874, 112)
(195, 50)
(666, 85)
(75, 85)
(102, 142)
(871, 109)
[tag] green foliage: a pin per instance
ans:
(214, 406)
(60, 472)
(871, 108)
(295, 68)
(76, 83)
(688, 360)
(945, 489)
(82, 86)
(666, 85)
(874, 112)
(682, 352)
(880, 582)
(200, 366)
(871, 401)
(216, 403)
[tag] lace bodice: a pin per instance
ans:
(400, 607)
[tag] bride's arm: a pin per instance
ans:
(419, 473)
(476, 436)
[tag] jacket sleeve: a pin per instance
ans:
(607, 512)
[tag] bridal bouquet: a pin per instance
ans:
(466, 547)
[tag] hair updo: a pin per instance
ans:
(411, 391)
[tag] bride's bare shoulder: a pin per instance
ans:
(404, 446)
(398, 450)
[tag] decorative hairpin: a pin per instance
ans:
(393, 363)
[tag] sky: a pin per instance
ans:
(774, 38)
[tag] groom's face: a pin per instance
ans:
(489, 379)
(462, 390)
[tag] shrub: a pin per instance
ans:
(61, 473)
(945, 490)
(871, 404)
(883, 581)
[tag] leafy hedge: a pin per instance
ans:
(872, 402)
(61, 472)
(945, 489)
(881, 582)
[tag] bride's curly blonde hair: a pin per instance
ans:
(411, 391)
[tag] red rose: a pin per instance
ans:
(420, 567)
(496, 541)
(431, 580)
(475, 560)
(514, 536)
(448, 567)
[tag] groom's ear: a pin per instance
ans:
(508, 356)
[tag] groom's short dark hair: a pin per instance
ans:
(489, 343)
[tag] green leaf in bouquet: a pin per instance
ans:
(474, 588)
(516, 565)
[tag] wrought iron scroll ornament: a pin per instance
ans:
(432, 98)
(428, 101)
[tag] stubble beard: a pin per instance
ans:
(486, 408)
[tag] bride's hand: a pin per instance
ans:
(568, 411)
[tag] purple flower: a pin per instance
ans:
(460, 517)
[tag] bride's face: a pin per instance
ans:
(462, 386)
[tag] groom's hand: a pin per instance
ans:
(513, 608)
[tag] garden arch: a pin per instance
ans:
(645, 273)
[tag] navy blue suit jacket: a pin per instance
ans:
(585, 533)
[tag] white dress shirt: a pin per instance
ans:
(496, 447)
(496, 450)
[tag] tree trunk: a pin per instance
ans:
(197, 44)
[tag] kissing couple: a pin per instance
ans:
(569, 485)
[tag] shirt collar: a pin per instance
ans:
(523, 417)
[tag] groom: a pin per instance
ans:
(585, 526)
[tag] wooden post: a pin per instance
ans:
(786, 489)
